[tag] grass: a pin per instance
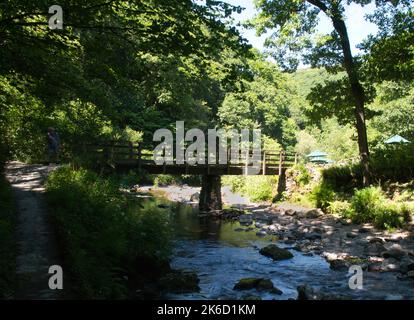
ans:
(7, 243)
(109, 244)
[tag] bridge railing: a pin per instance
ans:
(113, 152)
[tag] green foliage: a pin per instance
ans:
(345, 178)
(395, 107)
(322, 195)
(7, 243)
(339, 207)
(127, 71)
(341, 146)
(162, 180)
(371, 205)
(365, 202)
(303, 177)
(262, 102)
(104, 235)
(257, 188)
(302, 200)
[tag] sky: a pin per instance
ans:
(358, 27)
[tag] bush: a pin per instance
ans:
(104, 235)
(322, 195)
(304, 177)
(7, 246)
(343, 178)
(339, 207)
(371, 205)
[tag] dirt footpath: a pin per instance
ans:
(36, 250)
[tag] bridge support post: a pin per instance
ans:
(210, 195)
(281, 185)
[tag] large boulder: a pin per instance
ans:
(276, 253)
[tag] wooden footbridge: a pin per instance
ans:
(123, 156)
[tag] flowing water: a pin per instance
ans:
(221, 255)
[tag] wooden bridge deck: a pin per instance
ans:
(124, 156)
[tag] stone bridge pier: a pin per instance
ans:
(210, 195)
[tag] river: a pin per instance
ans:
(223, 252)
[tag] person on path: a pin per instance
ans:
(53, 144)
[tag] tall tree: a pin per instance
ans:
(293, 23)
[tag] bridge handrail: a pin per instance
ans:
(112, 149)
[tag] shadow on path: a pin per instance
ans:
(36, 245)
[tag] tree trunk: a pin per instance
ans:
(210, 195)
(359, 98)
(356, 88)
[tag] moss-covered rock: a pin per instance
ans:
(275, 252)
(260, 284)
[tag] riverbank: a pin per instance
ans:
(380, 253)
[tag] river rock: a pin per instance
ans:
(305, 292)
(261, 233)
(275, 252)
(290, 212)
(374, 249)
(313, 214)
(395, 252)
(344, 222)
(313, 236)
(390, 265)
(351, 235)
(376, 239)
(259, 225)
(406, 265)
(260, 284)
(374, 267)
(246, 219)
(339, 265)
